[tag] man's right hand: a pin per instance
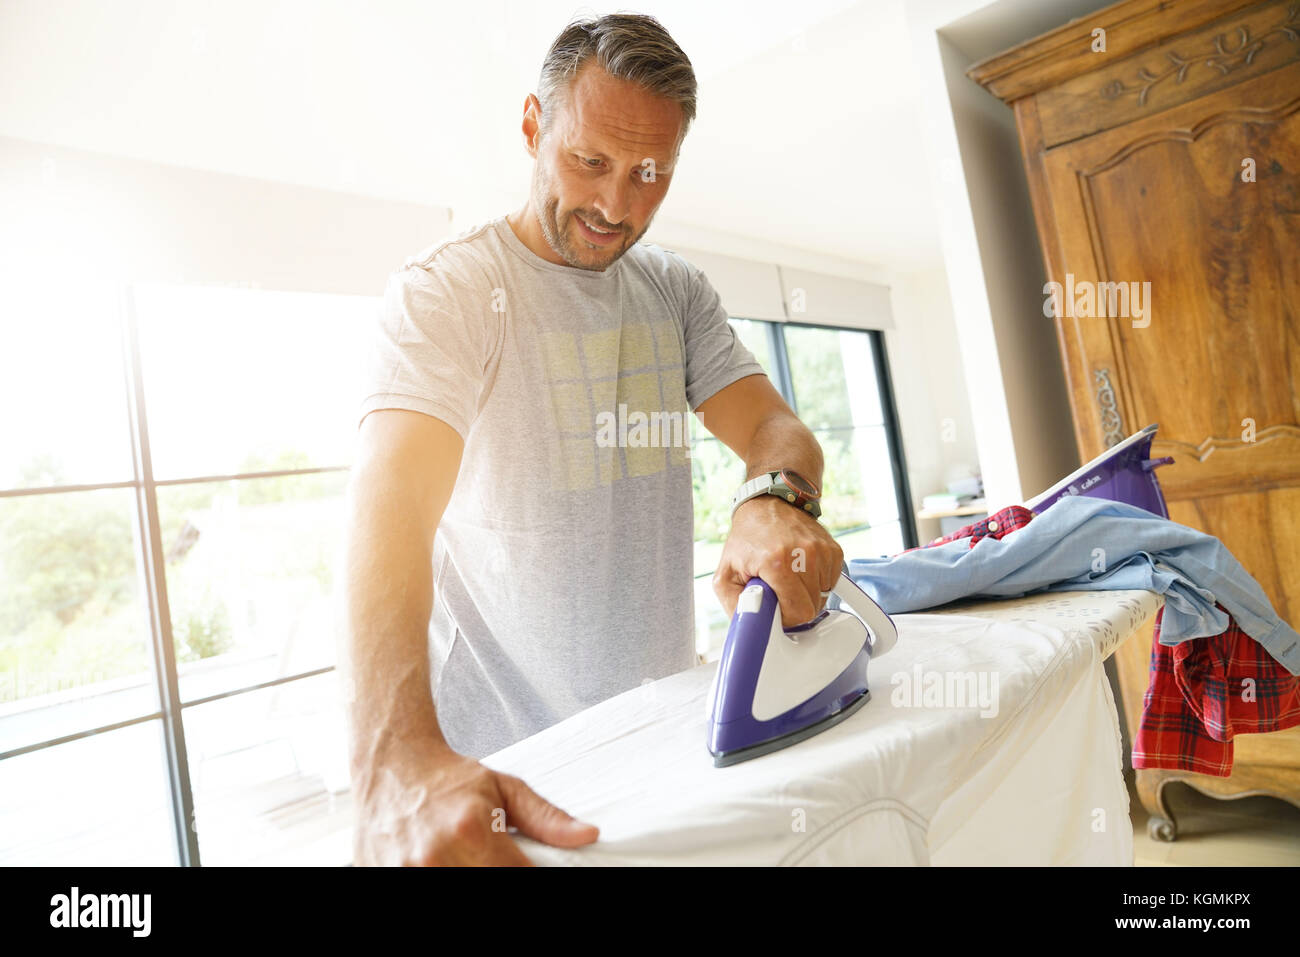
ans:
(418, 801)
(442, 808)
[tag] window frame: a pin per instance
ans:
(783, 381)
(153, 573)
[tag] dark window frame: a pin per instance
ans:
(154, 582)
(784, 383)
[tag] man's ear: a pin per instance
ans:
(532, 124)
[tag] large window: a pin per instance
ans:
(172, 471)
(173, 463)
(837, 380)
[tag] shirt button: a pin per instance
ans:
(993, 525)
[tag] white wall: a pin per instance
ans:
(421, 100)
(1033, 379)
(1016, 386)
(930, 386)
(103, 217)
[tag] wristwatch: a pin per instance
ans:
(784, 484)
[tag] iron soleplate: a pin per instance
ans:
(738, 755)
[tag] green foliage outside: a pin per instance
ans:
(295, 488)
(715, 473)
(69, 566)
(201, 627)
(822, 395)
(71, 611)
(61, 550)
(817, 370)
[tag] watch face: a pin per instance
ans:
(799, 483)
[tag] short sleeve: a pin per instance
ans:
(429, 347)
(715, 356)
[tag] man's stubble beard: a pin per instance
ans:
(547, 206)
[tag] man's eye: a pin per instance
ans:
(591, 163)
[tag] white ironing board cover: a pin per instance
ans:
(1039, 782)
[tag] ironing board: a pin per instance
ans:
(1037, 782)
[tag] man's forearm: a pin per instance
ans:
(786, 547)
(781, 441)
(384, 650)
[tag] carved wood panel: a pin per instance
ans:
(1247, 44)
(1214, 357)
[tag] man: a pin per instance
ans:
(561, 564)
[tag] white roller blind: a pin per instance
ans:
(821, 298)
(749, 289)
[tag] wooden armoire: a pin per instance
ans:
(1172, 156)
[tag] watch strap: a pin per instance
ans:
(766, 484)
(759, 485)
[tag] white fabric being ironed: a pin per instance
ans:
(1038, 782)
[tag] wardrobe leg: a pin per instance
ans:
(1151, 792)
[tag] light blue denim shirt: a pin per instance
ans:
(1091, 544)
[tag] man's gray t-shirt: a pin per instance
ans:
(563, 563)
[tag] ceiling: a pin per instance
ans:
(807, 132)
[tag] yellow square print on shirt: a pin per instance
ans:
(572, 408)
(640, 393)
(668, 348)
(560, 352)
(597, 376)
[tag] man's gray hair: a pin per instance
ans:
(627, 45)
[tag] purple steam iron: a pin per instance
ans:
(1125, 472)
(774, 688)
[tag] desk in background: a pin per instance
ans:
(952, 519)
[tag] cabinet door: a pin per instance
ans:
(1215, 356)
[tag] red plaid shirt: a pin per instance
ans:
(1000, 523)
(1200, 692)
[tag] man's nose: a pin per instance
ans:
(615, 201)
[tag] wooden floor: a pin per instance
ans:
(1249, 831)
